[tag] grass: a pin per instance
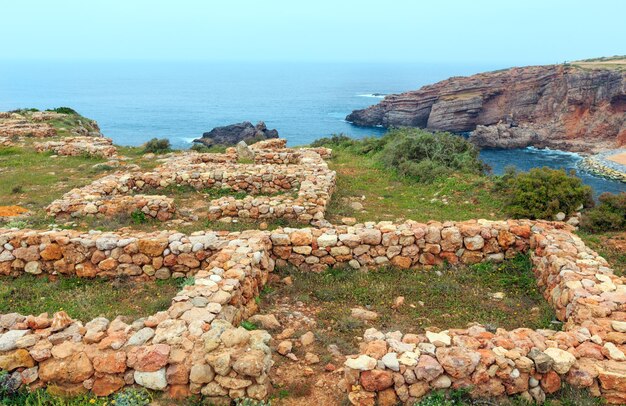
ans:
(38, 178)
(567, 396)
(186, 192)
(88, 298)
(617, 62)
(33, 180)
(442, 297)
(611, 246)
(41, 397)
(389, 197)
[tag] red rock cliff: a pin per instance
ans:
(557, 106)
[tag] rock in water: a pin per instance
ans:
(234, 133)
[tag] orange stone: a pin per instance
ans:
(551, 382)
(110, 362)
(376, 380)
(107, 384)
(51, 252)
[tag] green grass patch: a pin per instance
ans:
(387, 196)
(85, 299)
(38, 177)
(443, 297)
(567, 396)
(41, 397)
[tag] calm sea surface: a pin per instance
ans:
(136, 101)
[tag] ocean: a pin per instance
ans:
(136, 101)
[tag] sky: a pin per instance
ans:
(475, 31)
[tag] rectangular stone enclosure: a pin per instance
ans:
(196, 347)
(280, 182)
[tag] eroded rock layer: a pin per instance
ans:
(556, 106)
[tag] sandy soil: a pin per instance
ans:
(619, 158)
(11, 211)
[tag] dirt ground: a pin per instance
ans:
(297, 381)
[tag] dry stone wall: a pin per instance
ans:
(281, 189)
(76, 146)
(195, 346)
(404, 245)
(588, 353)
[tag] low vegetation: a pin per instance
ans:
(157, 146)
(40, 397)
(90, 298)
(610, 245)
(363, 180)
(542, 193)
(416, 154)
(498, 295)
(609, 215)
(567, 396)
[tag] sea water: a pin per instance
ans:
(136, 101)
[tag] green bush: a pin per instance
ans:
(414, 153)
(426, 156)
(541, 193)
(335, 140)
(132, 397)
(157, 146)
(609, 215)
(22, 111)
(138, 217)
(248, 325)
(200, 148)
(363, 146)
(64, 110)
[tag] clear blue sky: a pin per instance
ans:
(520, 31)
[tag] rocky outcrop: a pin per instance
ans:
(234, 133)
(44, 124)
(556, 106)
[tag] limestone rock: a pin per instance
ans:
(155, 380)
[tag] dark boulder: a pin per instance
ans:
(234, 133)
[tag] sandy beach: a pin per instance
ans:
(619, 158)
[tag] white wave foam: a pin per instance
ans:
(373, 95)
(549, 151)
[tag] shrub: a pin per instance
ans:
(138, 217)
(64, 110)
(335, 140)
(200, 148)
(132, 397)
(425, 156)
(414, 153)
(22, 111)
(248, 325)
(609, 215)
(157, 146)
(541, 193)
(186, 281)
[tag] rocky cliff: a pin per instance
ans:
(557, 106)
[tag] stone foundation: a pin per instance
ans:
(76, 146)
(194, 346)
(588, 353)
(297, 185)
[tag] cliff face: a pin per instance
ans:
(554, 106)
